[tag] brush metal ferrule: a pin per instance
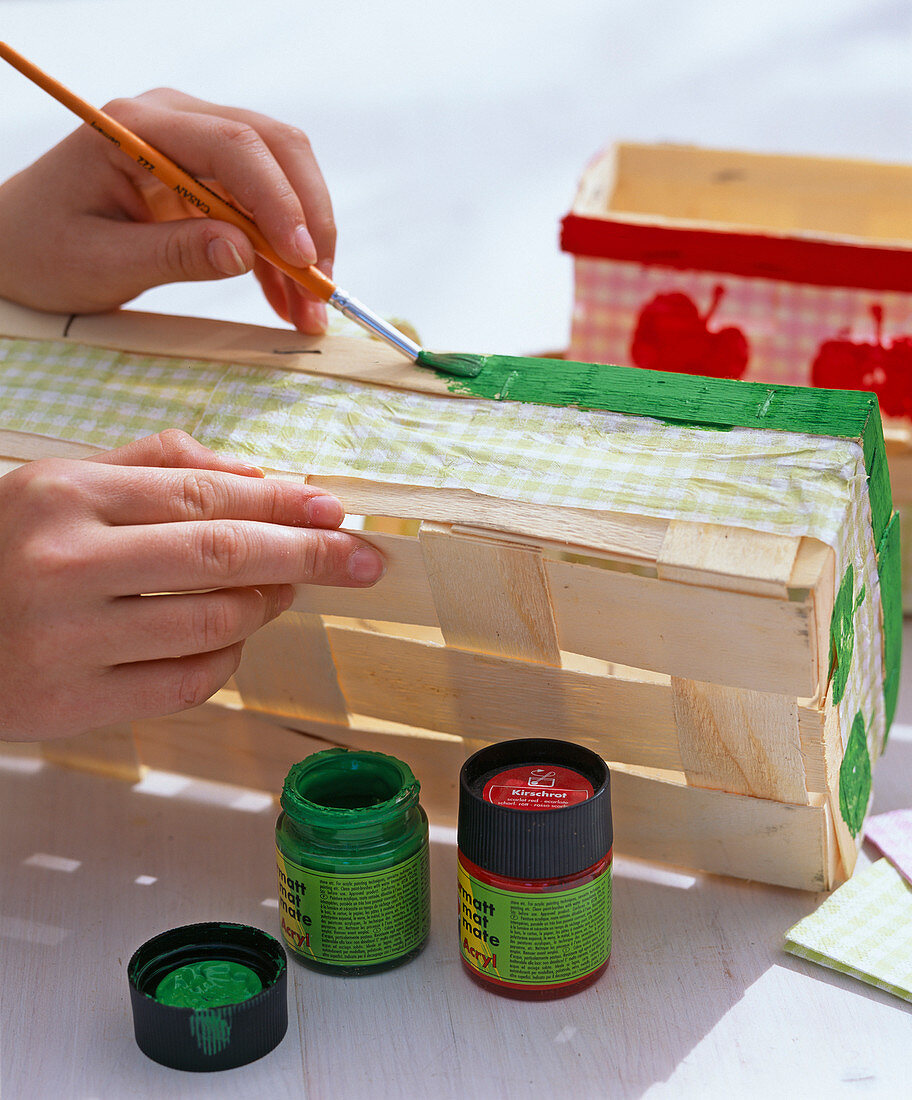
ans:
(357, 311)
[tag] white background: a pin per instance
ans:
(453, 135)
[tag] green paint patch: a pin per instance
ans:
(208, 984)
(889, 571)
(842, 632)
(685, 399)
(855, 778)
(211, 1029)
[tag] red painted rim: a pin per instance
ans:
(754, 255)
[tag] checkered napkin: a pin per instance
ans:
(863, 929)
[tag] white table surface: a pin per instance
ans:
(452, 137)
(699, 999)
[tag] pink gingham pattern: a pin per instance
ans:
(784, 323)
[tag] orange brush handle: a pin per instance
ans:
(173, 176)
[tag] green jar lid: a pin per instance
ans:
(209, 996)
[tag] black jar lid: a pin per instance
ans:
(534, 808)
(209, 1038)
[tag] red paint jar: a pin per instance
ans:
(534, 868)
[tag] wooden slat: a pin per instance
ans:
(834, 752)
(814, 579)
(665, 626)
(726, 834)
(655, 816)
(370, 361)
(811, 721)
(740, 741)
(684, 630)
(24, 446)
(473, 695)
(288, 669)
(900, 463)
(227, 745)
(491, 596)
(624, 537)
(834, 196)
(107, 751)
(402, 595)
(732, 558)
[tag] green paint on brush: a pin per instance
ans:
(460, 364)
(208, 984)
(855, 778)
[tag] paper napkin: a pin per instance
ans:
(892, 833)
(863, 929)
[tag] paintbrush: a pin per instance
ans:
(205, 200)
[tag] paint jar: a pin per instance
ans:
(352, 854)
(534, 868)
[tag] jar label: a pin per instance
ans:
(355, 920)
(535, 939)
(537, 787)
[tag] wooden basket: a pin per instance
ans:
(695, 657)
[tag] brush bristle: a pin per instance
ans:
(462, 364)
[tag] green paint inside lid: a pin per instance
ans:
(208, 984)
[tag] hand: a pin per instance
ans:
(81, 542)
(85, 229)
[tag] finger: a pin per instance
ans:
(230, 151)
(131, 495)
(148, 689)
(274, 286)
(294, 155)
(184, 557)
(131, 257)
(305, 312)
(174, 448)
(148, 628)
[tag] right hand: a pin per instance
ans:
(85, 229)
(84, 547)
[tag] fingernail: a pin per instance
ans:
(365, 565)
(225, 257)
(304, 246)
(324, 512)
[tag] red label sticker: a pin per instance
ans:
(537, 787)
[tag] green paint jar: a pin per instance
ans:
(352, 857)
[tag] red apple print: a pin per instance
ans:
(671, 335)
(887, 370)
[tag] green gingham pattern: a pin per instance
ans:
(864, 929)
(783, 482)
